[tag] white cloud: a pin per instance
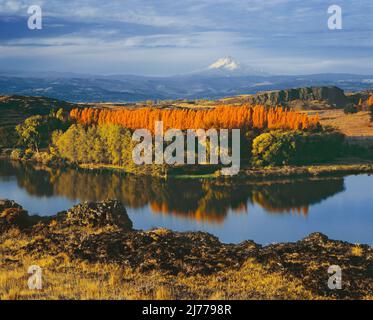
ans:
(282, 35)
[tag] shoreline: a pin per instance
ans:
(343, 168)
(101, 234)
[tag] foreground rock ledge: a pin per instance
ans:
(102, 232)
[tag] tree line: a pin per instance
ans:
(269, 136)
(227, 117)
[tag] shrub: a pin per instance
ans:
(274, 148)
(28, 154)
(319, 147)
(350, 109)
(17, 154)
(45, 158)
(289, 147)
(357, 251)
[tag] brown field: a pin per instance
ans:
(357, 127)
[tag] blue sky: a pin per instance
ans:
(162, 37)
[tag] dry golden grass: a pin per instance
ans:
(354, 126)
(65, 279)
(357, 251)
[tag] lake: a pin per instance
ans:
(266, 212)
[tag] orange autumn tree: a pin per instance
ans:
(370, 101)
(222, 117)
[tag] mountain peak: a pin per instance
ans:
(227, 63)
(228, 67)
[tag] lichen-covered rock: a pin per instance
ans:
(309, 259)
(97, 215)
(12, 215)
(6, 204)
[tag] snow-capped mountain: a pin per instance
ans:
(226, 63)
(225, 77)
(227, 66)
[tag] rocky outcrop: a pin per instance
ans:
(333, 96)
(309, 259)
(109, 213)
(86, 216)
(12, 215)
(189, 253)
(6, 204)
(102, 232)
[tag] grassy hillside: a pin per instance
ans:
(15, 109)
(356, 127)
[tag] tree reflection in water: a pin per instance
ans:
(204, 200)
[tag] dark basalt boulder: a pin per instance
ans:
(310, 258)
(12, 215)
(97, 215)
(5, 204)
(110, 213)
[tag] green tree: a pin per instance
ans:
(295, 147)
(36, 131)
(66, 143)
(112, 137)
(274, 148)
(109, 144)
(33, 132)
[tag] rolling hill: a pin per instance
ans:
(14, 109)
(223, 78)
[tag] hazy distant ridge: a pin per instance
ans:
(224, 77)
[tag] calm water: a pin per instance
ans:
(342, 208)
